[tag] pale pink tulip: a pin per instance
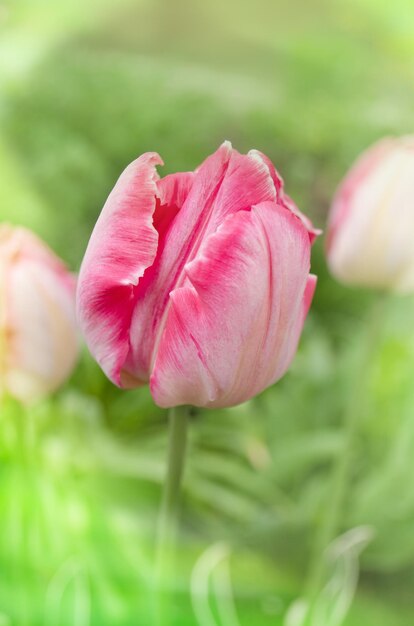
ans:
(38, 339)
(197, 282)
(371, 225)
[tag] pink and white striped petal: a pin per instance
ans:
(122, 246)
(234, 323)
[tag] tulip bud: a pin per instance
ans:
(197, 283)
(372, 219)
(38, 341)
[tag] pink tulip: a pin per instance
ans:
(197, 282)
(372, 219)
(38, 339)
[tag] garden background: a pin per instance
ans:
(85, 87)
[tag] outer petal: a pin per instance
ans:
(234, 325)
(123, 244)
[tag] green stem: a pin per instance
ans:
(342, 470)
(178, 418)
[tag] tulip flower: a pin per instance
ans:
(197, 283)
(38, 338)
(372, 219)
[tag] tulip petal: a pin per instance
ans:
(123, 244)
(41, 347)
(173, 189)
(370, 229)
(276, 177)
(234, 324)
(227, 182)
(364, 168)
(308, 295)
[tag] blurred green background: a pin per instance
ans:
(85, 87)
